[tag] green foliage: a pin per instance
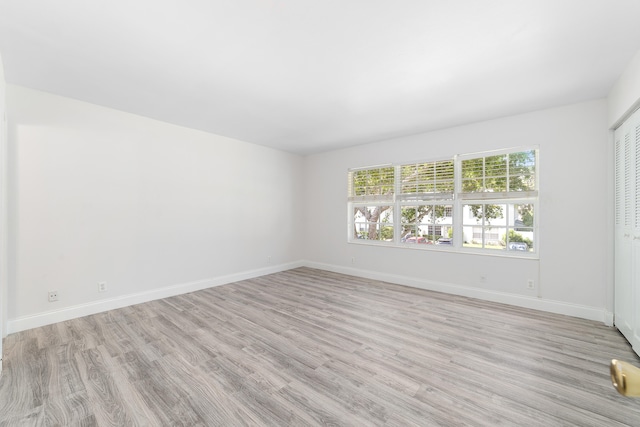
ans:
(526, 212)
(415, 214)
(517, 237)
(488, 212)
(431, 177)
(373, 216)
(522, 171)
(373, 182)
(386, 233)
(505, 172)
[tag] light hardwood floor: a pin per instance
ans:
(309, 347)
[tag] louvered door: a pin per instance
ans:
(627, 230)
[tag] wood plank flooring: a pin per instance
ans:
(309, 347)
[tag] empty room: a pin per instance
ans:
(356, 213)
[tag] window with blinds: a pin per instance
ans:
(475, 202)
(425, 196)
(510, 174)
(371, 194)
(424, 181)
(500, 194)
(372, 184)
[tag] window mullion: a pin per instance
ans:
(397, 210)
(457, 202)
(508, 183)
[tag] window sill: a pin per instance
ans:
(449, 249)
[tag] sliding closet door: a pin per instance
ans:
(623, 279)
(635, 233)
(627, 230)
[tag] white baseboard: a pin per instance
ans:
(608, 318)
(68, 313)
(558, 307)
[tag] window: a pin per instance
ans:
(425, 222)
(427, 180)
(425, 197)
(498, 195)
(499, 226)
(478, 202)
(505, 173)
(373, 222)
(371, 192)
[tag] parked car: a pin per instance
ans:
(518, 246)
(414, 239)
(445, 241)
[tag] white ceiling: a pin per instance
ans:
(309, 76)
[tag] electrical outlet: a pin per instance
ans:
(353, 260)
(102, 286)
(53, 296)
(269, 260)
(483, 278)
(531, 284)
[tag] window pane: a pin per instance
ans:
(522, 183)
(473, 175)
(522, 162)
(426, 223)
(373, 222)
(495, 173)
(413, 220)
(373, 182)
(495, 165)
(471, 236)
(521, 216)
(473, 168)
(494, 237)
(431, 177)
(443, 224)
(487, 237)
(520, 236)
(522, 168)
(521, 241)
(408, 231)
(472, 214)
(415, 214)
(505, 172)
(488, 214)
(484, 225)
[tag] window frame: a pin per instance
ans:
(458, 200)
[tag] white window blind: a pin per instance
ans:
(427, 181)
(505, 175)
(372, 184)
(484, 201)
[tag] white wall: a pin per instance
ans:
(624, 97)
(150, 208)
(570, 274)
(155, 209)
(3, 210)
